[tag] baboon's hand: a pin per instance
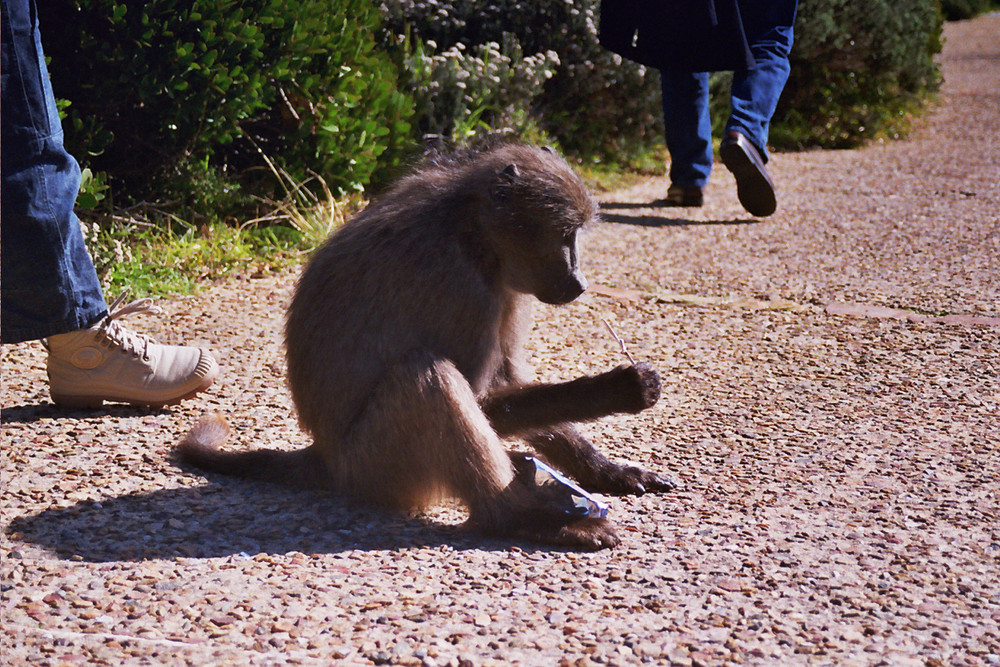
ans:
(640, 384)
(526, 511)
(629, 481)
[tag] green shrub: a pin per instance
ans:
(955, 10)
(858, 71)
(161, 87)
(181, 102)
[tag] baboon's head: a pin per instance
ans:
(540, 207)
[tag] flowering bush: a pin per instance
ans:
(593, 104)
(464, 91)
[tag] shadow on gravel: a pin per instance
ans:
(232, 517)
(646, 220)
(28, 414)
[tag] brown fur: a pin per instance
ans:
(405, 361)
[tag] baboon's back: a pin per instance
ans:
(399, 276)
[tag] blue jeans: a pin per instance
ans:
(48, 284)
(753, 95)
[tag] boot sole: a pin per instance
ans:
(90, 402)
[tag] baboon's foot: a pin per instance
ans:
(589, 534)
(620, 480)
(640, 383)
(528, 512)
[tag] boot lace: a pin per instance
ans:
(116, 335)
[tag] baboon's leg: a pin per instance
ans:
(522, 409)
(566, 449)
(422, 433)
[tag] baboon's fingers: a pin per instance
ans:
(589, 534)
(628, 481)
(661, 483)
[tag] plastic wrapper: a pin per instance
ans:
(562, 492)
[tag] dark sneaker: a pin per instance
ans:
(683, 196)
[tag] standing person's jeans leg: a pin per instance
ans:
(688, 127)
(48, 284)
(755, 92)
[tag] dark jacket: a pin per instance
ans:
(688, 35)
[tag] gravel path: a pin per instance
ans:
(831, 404)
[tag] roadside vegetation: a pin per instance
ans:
(225, 136)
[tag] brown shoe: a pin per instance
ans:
(753, 186)
(683, 196)
(107, 362)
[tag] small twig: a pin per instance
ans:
(621, 343)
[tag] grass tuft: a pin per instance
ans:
(153, 252)
(151, 260)
(315, 216)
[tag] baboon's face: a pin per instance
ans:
(539, 214)
(544, 261)
(558, 275)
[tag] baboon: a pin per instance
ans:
(405, 354)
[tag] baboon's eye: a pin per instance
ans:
(569, 236)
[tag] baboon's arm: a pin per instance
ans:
(566, 449)
(521, 409)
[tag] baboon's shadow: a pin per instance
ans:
(227, 517)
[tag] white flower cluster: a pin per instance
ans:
(106, 248)
(464, 90)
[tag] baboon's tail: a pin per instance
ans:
(301, 468)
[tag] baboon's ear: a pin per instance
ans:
(549, 149)
(505, 176)
(510, 173)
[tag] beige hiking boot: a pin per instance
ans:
(107, 362)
